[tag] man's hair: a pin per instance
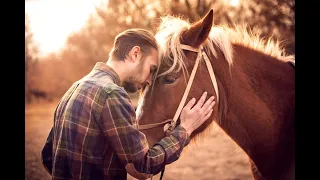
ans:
(127, 39)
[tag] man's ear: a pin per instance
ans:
(135, 53)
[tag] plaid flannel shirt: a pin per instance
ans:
(95, 133)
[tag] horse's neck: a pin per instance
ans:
(258, 96)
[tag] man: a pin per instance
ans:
(95, 134)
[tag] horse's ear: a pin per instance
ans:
(199, 31)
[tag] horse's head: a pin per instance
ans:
(160, 102)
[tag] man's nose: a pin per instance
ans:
(148, 82)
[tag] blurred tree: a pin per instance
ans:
(93, 42)
(274, 18)
(31, 60)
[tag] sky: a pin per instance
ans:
(51, 21)
(233, 2)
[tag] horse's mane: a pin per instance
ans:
(223, 36)
(241, 35)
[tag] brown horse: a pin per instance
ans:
(256, 90)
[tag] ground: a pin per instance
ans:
(216, 157)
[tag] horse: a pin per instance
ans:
(252, 78)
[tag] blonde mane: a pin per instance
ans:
(171, 28)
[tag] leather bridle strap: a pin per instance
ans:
(167, 122)
(187, 90)
(189, 48)
(150, 126)
(212, 75)
(201, 53)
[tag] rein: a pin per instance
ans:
(172, 123)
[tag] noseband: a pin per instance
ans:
(201, 55)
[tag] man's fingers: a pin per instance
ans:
(201, 101)
(209, 108)
(208, 115)
(209, 103)
(190, 104)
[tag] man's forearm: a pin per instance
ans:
(164, 152)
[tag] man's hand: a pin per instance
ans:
(192, 118)
(134, 173)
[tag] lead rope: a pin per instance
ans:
(161, 175)
(162, 172)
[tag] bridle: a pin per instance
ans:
(201, 53)
(172, 123)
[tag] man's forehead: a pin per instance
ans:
(154, 62)
(154, 67)
(155, 58)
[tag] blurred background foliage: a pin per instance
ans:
(50, 76)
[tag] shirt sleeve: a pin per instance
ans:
(118, 121)
(46, 153)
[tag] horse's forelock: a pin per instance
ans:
(168, 37)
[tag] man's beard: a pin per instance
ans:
(130, 86)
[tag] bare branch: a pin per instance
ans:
(140, 9)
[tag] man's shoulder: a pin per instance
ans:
(113, 89)
(103, 87)
(106, 85)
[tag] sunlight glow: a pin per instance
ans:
(232, 2)
(51, 21)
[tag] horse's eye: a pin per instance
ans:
(169, 79)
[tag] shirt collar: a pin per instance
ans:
(105, 68)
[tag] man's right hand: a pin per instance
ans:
(193, 117)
